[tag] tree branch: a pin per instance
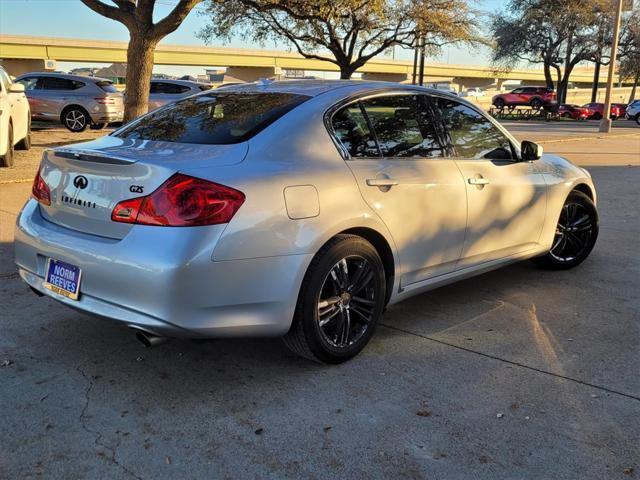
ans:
(108, 11)
(172, 21)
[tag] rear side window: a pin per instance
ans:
(54, 83)
(107, 86)
(351, 128)
(402, 126)
(170, 88)
(213, 119)
(470, 134)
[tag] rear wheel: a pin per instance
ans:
(98, 126)
(566, 115)
(6, 160)
(638, 119)
(536, 104)
(597, 116)
(576, 234)
(340, 302)
(75, 119)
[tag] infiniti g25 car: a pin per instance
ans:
(296, 209)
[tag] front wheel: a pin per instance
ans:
(499, 103)
(340, 301)
(638, 119)
(576, 234)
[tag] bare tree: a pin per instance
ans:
(559, 35)
(144, 35)
(347, 33)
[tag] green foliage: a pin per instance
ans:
(347, 33)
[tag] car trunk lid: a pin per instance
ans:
(87, 180)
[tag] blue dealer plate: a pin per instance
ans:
(62, 278)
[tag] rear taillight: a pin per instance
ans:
(40, 190)
(105, 100)
(181, 201)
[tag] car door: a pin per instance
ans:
(404, 177)
(18, 107)
(506, 197)
(58, 92)
(33, 91)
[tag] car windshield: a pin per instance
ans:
(213, 118)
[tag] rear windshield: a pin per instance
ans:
(107, 86)
(213, 118)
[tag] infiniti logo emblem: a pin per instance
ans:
(80, 182)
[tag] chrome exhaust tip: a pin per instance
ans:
(149, 340)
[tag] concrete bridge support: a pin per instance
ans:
(251, 74)
(18, 66)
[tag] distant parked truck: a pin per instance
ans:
(534, 97)
(76, 101)
(472, 92)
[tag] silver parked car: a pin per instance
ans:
(296, 209)
(633, 111)
(165, 91)
(77, 102)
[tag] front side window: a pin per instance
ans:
(470, 134)
(352, 130)
(213, 119)
(402, 126)
(29, 83)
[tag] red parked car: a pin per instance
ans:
(597, 109)
(574, 111)
(623, 109)
(535, 97)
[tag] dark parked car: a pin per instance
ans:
(535, 97)
(597, 111)
(574, 111)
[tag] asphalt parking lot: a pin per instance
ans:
(516, 374)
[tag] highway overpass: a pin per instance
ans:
(20, 54)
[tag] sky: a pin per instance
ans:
(71, 19)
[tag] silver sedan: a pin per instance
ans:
(297, 209)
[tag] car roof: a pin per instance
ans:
(313, 88)
(66, 76)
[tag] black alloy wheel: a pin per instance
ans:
(340, 302)
(576, 234)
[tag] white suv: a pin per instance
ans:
(15, 119)
(633, 111)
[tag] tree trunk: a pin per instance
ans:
(633, 90)
(548, 77)
(346, 71)
(139, 69)
(596, 81)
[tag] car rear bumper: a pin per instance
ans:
(163, 280)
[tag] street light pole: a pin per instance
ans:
(605, 123)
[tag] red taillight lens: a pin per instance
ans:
(181, 201)
(105, 100)
(40, 190)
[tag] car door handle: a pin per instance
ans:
(381, 182)
(478, 181)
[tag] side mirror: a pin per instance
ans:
(16, 88)
(531, 151)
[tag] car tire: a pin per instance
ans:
(340, 302)
(597, 116)
(7, 159)
(536, 104)
(638, 119)
(566, 115)
(98, 126)
(499, 103)
(25, 143)
(576, 234)
(75, 119)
